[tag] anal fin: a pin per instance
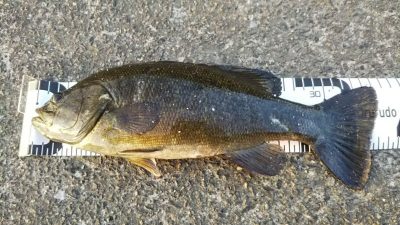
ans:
(266, 159)
(147, 164)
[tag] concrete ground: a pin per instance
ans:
(68, 41)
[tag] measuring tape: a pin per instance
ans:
(307, 91)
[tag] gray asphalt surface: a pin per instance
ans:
(68, 41)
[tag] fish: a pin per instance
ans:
(166, 110)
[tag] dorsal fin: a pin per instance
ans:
(260, 81)
(239, 79)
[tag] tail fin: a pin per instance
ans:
(344, 144)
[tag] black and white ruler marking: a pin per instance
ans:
(307, 91)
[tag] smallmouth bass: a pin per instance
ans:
(171, 110)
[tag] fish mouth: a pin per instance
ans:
(43, 117)
(38, 122)
(41, 121)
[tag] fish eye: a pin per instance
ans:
(56, 97)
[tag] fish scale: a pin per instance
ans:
(307, 91)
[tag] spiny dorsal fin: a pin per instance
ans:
(266, 159)
(239, 79)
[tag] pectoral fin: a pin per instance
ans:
(136, 118)
(147, 164)
(266, 159)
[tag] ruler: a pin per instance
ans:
(308, 91)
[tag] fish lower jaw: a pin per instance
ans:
(37, 120)
(40, 125)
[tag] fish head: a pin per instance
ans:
(68, 117)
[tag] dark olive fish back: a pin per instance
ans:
(256, 82)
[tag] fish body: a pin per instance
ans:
(194, 118)
(170, 110)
